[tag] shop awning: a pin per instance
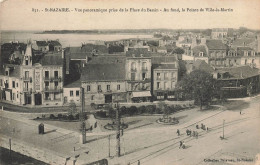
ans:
(141, 94)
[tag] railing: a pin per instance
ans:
(144, 69)
(27, 90)
(99, 91)
(109, 90)
(47, 78)
(27, 79)
(133, 70)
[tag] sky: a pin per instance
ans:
(19, 15)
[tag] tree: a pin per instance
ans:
(198, 85)
(178, 51)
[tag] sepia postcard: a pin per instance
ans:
(120, 82)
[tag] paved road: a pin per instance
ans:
(149, 145)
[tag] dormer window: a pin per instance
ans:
(201, 54)
(6, 73)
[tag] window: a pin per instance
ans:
(26, 74)
(144, 66)
(6, 73)
(56, 74)
(118, 87)
(77, 93)
(132, 76)
(253, 60)
(158, 76)
(92, 97)
(46, 74)
(56, 84)
(16, 84)
(47, 96)
(133, 66)
(26, 62)
(13, 96)
(143, 76)
(13, 84)
(108, 87)
(1, 82)
(47, 85)
(17, 95)
(245, 61)
(71, 93)
(99, 88)
(88, 88)
(158, 85)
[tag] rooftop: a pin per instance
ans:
(166, 66)
(240, 72)
(41, 43)
(103, 72)
(216, 44)
(74, 84)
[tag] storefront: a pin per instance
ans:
(141, 96)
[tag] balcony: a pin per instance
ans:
(52, 89)
(27, 90)
(27, 79)
(99, 91)
(46, 78)
(109, 91)
(56, 78)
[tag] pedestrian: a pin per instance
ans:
(190, 133)
(197, 135)
(240, 112)
(95, 125)
(178, 132)
(201, 125)
(138, 162)
(180, 144)
(187, 132)
(207, 129)
(197, 126)
(194, 134)
(183, 145)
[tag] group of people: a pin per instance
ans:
(192, 133)
(202, 127)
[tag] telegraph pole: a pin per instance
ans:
(223, 128)
(108, 145)
(83, 124)
(117, 131)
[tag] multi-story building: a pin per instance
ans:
(37, 81)
(216, 51)
(220, 33)
(165, 77)
(104, 83)
(10, 85)
(138, 75)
